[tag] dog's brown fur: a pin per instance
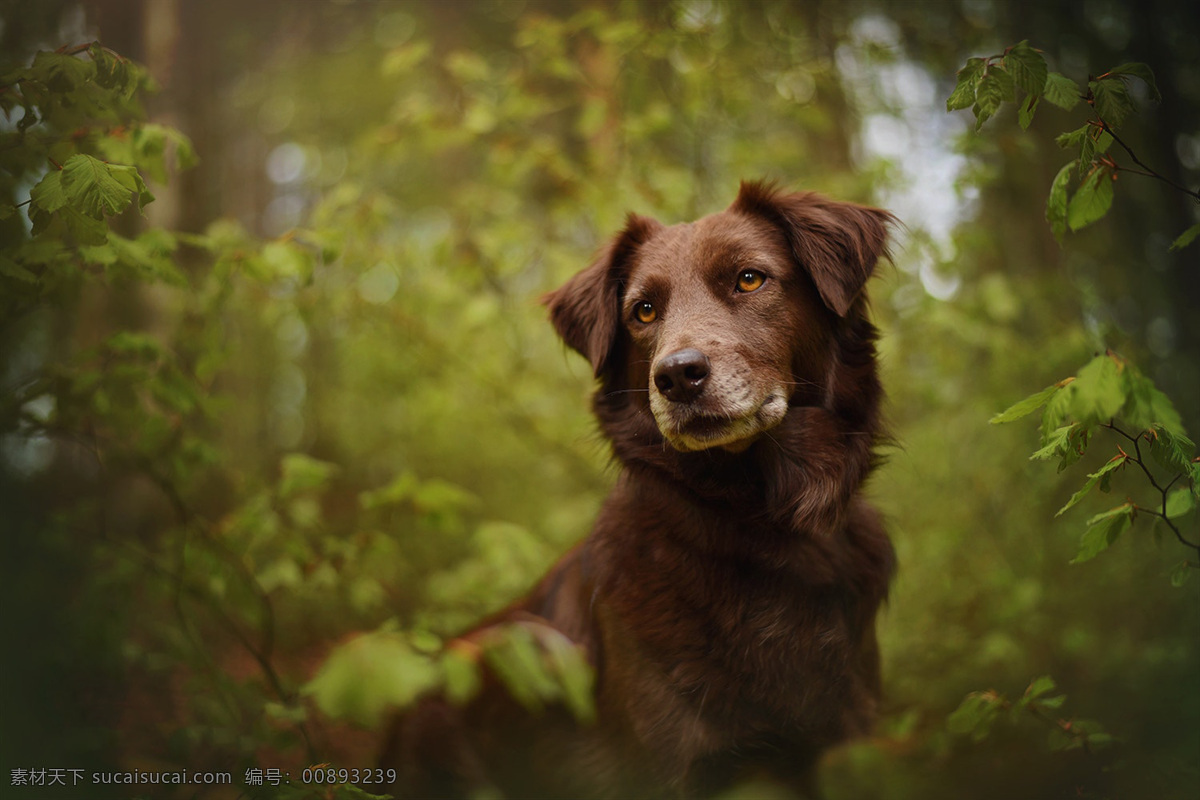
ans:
(727, 595)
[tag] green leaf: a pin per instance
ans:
(154, 143)
(1008, 86)
(1146, 406)
(1061, 91)
(1067, 443)
(11, 269)
(1077, 444)
(48, 195)
(131, 179)
(1026, 111)
(1093, 479)
(370, 676)
(282, 572)
(1098, 391)
(518, 663)
(301, 473)
(1181, 574)
(92, 187)
(574, 673)
(1040, 686)
(400, 489)
(112, 72)
(1050, 702)
(1110, 97)
(1186, 238)
(1056, 203)
(993, 90)
(436, 495)
(82, 228)
(288, 259)
(1059, 740)
(1053, 443)
(1180, 502)
(1125, 509)
(1025, 407)
(60, 72)
(1072, 138)
(1142, 71)
(1027, 67)
(975, 715)
(1103, 530)
(460, 673)
(963, 95)
(1096, 141)
(1172, 450)
(1092, 201)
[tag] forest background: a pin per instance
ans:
(266, 440)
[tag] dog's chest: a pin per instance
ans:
(735, 642)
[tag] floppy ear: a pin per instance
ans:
(837, 243)
(586, 310)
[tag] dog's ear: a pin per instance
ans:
(586, 310)
(837, 243)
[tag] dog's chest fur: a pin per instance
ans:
(729, 644)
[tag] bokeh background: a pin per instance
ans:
(388, 436)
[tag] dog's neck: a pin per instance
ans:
(806, 470)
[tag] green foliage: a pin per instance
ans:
(980, 711)
(1107, 398)
(367, 677)
(1186, 238)
(382, 672)
(539, 665)
(1109, 393)
(985, 84)
(144, 402)
(75, 109)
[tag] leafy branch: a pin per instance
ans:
(536, 663)
(979, 711)
(1108, 389)
(1172, 504)
(985, 84)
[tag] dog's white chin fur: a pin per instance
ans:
(738, 434)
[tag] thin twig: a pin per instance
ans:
(1150, 173)
(1162, 490)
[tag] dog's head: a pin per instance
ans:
(725, 323)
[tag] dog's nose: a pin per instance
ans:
(680, 376)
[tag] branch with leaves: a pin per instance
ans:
(1109, 393)
(979, 712)
(985, 84)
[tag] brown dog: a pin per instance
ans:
(727, 595)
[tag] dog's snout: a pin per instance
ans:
(680, 376)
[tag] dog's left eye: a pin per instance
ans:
(645, 312)
(750, 280)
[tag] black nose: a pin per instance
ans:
(681, 375)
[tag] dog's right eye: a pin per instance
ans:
(645, 312)
(750, 280)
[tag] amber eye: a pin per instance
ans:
(750, 280)
(645, 312)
